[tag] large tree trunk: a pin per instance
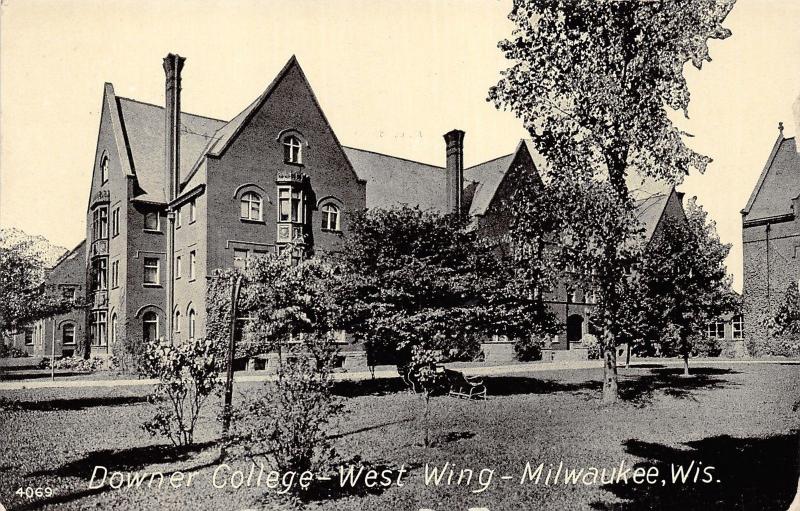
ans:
(610, 386)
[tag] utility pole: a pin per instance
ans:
(53, 352)
(226, 410)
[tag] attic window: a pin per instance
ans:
(292, 149)
(104, 169)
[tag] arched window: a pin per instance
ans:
(68, 334)
(150, 326)
(177, 321)
(292, 149)
(192, 318)
(251, 207)
(104, 169)
(330, 217)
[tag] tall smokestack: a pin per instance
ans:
(455, 170)
(173, 64)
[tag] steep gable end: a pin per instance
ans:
(777, 185)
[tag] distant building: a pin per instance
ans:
(771, 236)
(175, 196)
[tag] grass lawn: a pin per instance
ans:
(738, 419)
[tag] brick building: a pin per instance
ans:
(771, 236)
(175, 196)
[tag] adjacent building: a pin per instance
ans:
(175, 196)
(771, 236)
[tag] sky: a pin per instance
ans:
(392, 76)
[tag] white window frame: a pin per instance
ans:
(145, 321)
(147, 266)
(178, 267)
(114, 274)
(292, 149)
(251, 201)
(157, 228)
(327, 210)
(192, 211)
(104, 169)
(115, 222)
(737, 327)
(178, 218)
(64, 342)
(192, 264)
(192, 323)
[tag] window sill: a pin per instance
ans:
(294, 163)
(335, 231)
(192, 221)
(153, 231)
(146, 284)
(249, 221)
(192, 280)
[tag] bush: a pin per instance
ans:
(127, 355)
(528, 349)
(289, 420)
(75, 363)
(705, 346)
(9, 351)
(188, 374)
(591, 342)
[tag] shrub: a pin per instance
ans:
(127, 354)
(9, 351)
(188, 374)
(290, 418)
(528, 348)
(75, 363)
(591, 342)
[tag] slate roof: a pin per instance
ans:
(143, 125)
(392, 181)
(487, 176)
(778, 183)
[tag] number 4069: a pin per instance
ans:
(31, 492)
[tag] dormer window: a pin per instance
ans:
(292, 149)
(330, 217)
(104, 169)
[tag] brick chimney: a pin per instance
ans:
(172, 120)
(455, 170)
(173, 64)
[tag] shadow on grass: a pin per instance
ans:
(640, 389)
(122, 460)
(125, 460)
(749, 474)
(378, 387)
(515, 385)
(73, 404)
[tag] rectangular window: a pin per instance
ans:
(99, 329)
(68, 334)
(297, 202)
(152, 222)
(151, 270)
(178, 268)
(178, 218)
(100, 223)
(115, 222)
(100, 271)
(192, 263)
(716, 330)
(192, 211)
(240, 257)
(283, 204)
(738, 327)
(68, 294)
(114, 274)
(28, 337)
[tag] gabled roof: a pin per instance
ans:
(392, 181)
(649, 212)
(143, 125)
(487, 176)
(778, 183)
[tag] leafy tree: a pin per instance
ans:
(590, 81)
(683, 284)
(422, 279)
(23, 297)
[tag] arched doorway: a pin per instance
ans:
(574, 328)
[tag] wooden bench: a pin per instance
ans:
(463, 386)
